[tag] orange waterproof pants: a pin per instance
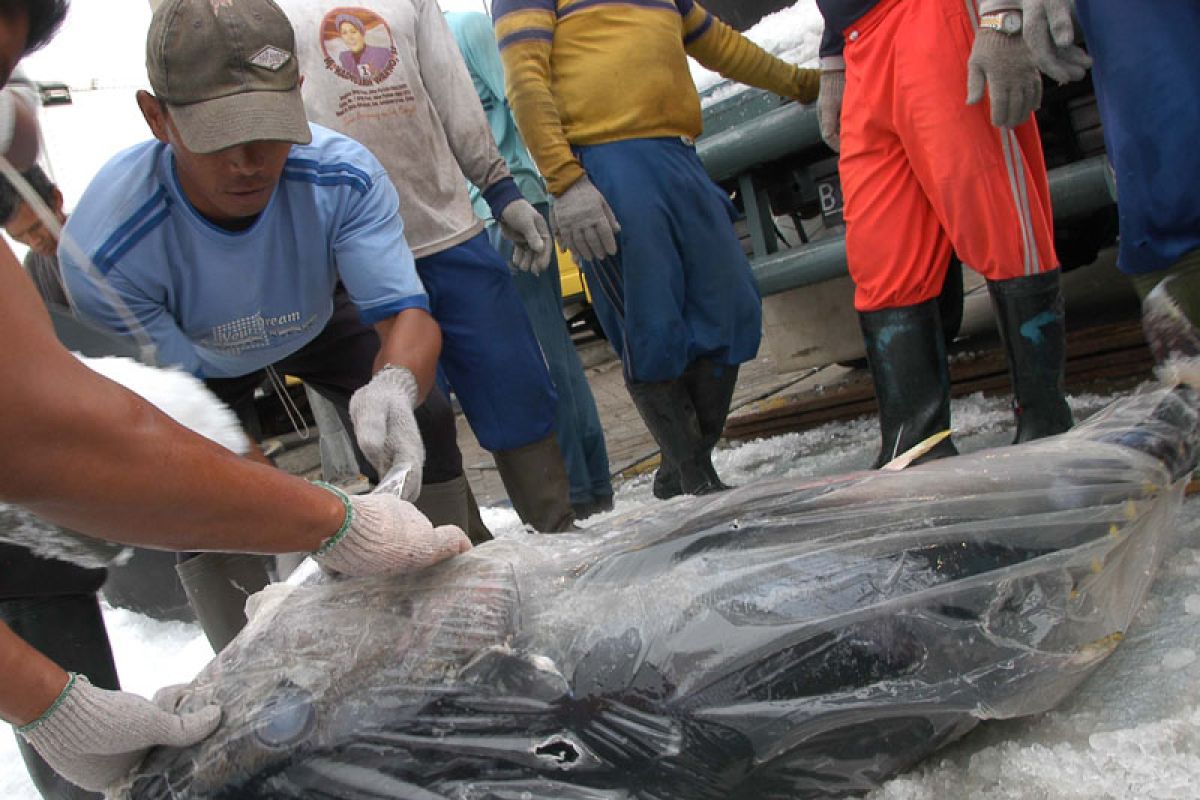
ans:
(922, 172)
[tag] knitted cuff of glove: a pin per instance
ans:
(367, 544)
(346, 520)
(62, 697)
(403, 378)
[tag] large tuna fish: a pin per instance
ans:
(790, 639)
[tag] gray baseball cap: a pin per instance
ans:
(227, 71)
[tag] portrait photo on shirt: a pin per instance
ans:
(358, 45)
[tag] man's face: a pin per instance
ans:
(228, 185)
(27, 228)
(14, 31)
(231, 184)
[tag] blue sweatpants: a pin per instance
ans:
(580, 435)
(489, 353)
(1147, 80)
(680, 286)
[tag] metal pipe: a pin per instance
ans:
(1075, 189)
(785, 130)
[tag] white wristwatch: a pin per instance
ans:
(1003, 21)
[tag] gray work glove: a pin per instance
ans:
(829, 107)
(1049, 31)
(93, 737)
(385, 427)
(1003, 64)
(384, 535)
(584, 223)
(522, 225)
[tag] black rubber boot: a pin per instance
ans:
(452, 503)
(1170, 331)
(217, 586)
(711, 387)
(537, 485)
(906, 352)
(667, 409)
(1171, 314)
(1030, 315)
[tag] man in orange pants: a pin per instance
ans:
(927, 169)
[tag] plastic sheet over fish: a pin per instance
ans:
(791, 639)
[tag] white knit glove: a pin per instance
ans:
(387, 432)
(522, 225)
(384, 535)
(1049, 30)
(93, 737)
(584, 223)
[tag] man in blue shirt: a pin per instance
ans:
(243, 241)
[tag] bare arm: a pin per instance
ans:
(31, 681)
(87, 454)
(411, 339)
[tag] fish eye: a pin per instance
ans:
(288, 718)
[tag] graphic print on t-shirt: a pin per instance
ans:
(359, 48)
(255, 332)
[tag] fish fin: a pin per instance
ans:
(516, 673)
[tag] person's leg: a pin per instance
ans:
(1146, 74)
(1031, 315)
(1185, 284)
(710, 385)
(989, 188)
(907, 358)
(52, 605)
(724, 310)
(217, 584)
(895, 245)
(495, 366)
(238, 394)
(580, 435)
(679, 289)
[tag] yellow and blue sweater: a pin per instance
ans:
(580, 72)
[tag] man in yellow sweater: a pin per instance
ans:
(604, 100)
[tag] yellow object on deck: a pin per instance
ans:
(571, 277)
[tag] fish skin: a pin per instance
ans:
(791, 639)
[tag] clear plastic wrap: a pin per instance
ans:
(784, 640)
